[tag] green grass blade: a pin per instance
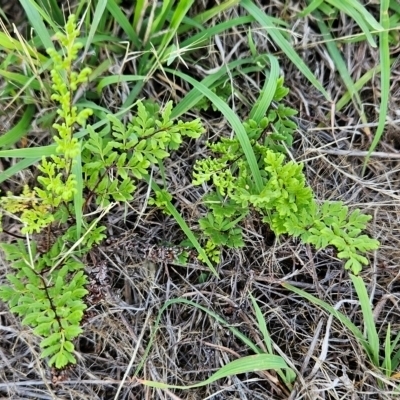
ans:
(33, 152)
(19, 130)
(224, 323)
(356, 11)
(282, 43)
(340, 316)
(133, 95)
(115, 79)
(36, 21)
(98, 14)
(53, 9)
(137, 15)
(120, 18)
(176, 20)
(395, 6)
(384, 52)
(234, 122)
(19, 166)
(189, 234)
(358, 85)
(369, 322)
(357, 7)
(287, 376)
(162, 15)
(312, 6)
(29, 82)
(258, 362)
(263, 103)
(194, 96)
(211, 31)
(215, 11)
(387, 360)
(396, 358)
(262, 326)
(8, 43)
(341, 66)
(328, 10)
(204, 36)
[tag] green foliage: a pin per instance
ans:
(285, 202)
(385, 355)
(213, 252)
(113, 164)
(47, 288)
(221, 223)
(333, 225)
(57, 183)
(162, 197)
(49, 300)
(223, 91)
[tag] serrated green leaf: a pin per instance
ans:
(19, 309)
(160, 154)
(60, 360)
(94, 165)
(50, 350)
(121, 160)
(61, 301)
(39, 293)
(18, 284)
(68, 346)
(353, 265)
(93, 149)
(52, 339)
(43, 329)
(111, 158)
(75, 317)
(72, 331)
(44, 318)
(31, 319)
(7, 292)
(70, 358)
(79, 293)
(59, 282)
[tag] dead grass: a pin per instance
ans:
(189, 346)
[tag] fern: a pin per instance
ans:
(111, 167)
(49, 300)
(47, 289)
(286, 202)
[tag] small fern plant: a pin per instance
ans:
(112, 164)
(48, 284)
(286, 203)
(47, 289)
(50, 300)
